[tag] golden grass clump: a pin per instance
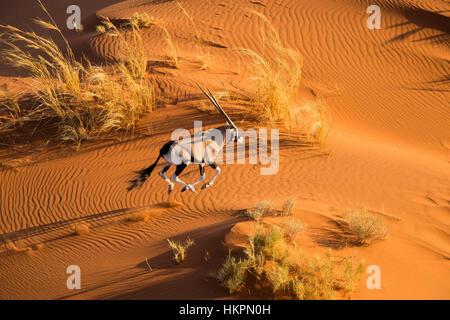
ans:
(260, 210)
(292, 227)
(278, 76)
(180, 249)
(137, 20)
(271, 265)
(10, 111)
(365, 227)
(133, 62)
(277, 80)
(204, 58)
(312, 121)
(289, 206)
(172, 51)
(83, 99)
(264, 208)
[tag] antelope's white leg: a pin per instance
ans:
(162, 173)
(210, 183)
(202, 177)
(175, 178)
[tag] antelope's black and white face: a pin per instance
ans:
(234, 135)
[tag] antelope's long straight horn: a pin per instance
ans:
(221, 110)
(217, 105)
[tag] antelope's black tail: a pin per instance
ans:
(143, 175)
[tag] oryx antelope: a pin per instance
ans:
(179, 153)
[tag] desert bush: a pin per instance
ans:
(133, 62)
(265, 246)
(351, 275)
(312, 121)
(261, 209)
(279, 276)
(315, 279)
(269, 262)
(180, 249)
(172, 51)
(232, 274)
(365, 227)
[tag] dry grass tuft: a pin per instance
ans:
(312, 121)
(10, 111)
(265, 208)
(289, 206)
(81, 229)
(278, 76)
(277, 80)
(260, 210)
(172, 51)
(365, 227)
(180, 249)
(292, 227)
(141, 20)
(83, 99)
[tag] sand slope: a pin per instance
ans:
(387, 91)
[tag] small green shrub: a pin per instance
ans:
(232, 275)
(351, 275)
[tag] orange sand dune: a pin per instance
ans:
(387, 91)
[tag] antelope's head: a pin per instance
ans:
(234, 131)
